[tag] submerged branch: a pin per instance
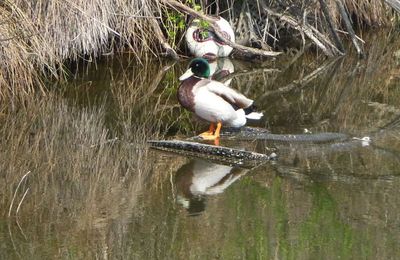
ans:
(302, 81)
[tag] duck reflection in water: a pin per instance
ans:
(221, 68)
(199, 178)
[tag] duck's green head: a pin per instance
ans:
(198, 67)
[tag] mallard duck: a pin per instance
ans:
(204, 43)
(212, 101)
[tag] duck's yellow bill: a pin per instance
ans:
(186, 75)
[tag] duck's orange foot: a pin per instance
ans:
(214, 138)
(211, 135)
(206, 135)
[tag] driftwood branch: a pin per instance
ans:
(313, 34)
(212, 21)
(332, 29)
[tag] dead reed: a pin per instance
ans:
(36, 38)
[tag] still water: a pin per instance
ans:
(78, 180)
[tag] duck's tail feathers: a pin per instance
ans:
(251, 113)
(254, 115)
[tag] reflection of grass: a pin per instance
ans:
(266, 229)
(252, 236)
(83, 183)
(323, 233)
(339, 98)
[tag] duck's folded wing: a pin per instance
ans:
(229, 95)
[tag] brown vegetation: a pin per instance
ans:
(36, 38)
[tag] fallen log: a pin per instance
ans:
(212, 152)
(327, 137)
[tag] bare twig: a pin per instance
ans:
(319, 39)
(344, 32)
(20, 203)
(16, 190)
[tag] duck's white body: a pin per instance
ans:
(202, 46)
(213, 103)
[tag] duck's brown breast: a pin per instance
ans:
(185, 93)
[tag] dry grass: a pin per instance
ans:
(24, 54)
(37, 37)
